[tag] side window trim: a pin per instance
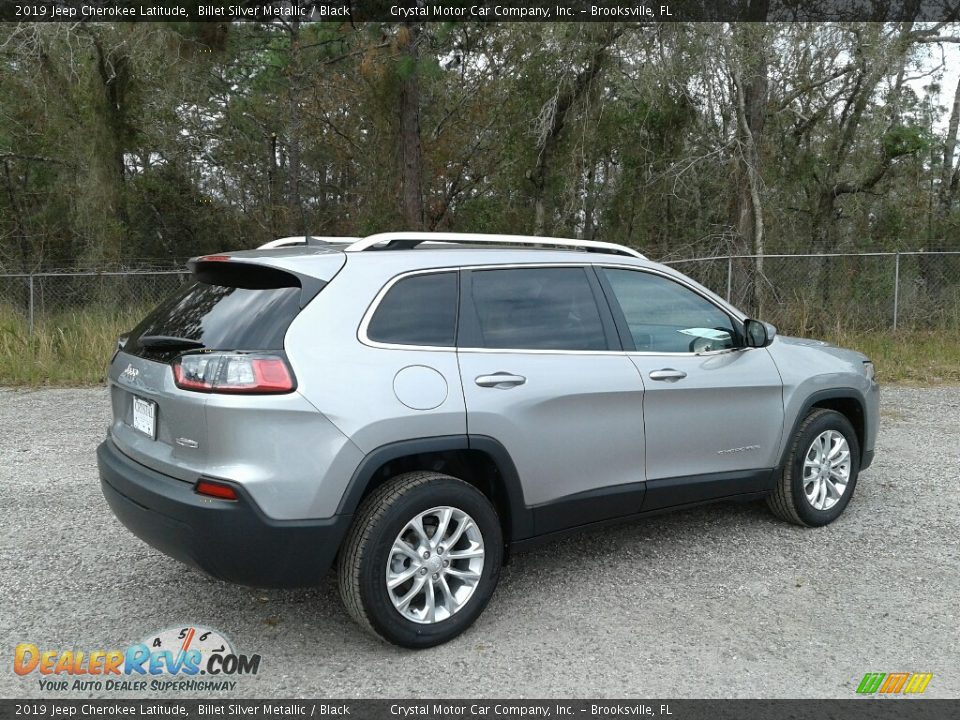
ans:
(468, 322)
(371, 310)
(470, 339)
(616, 312)
(623, 328)
(610, 331)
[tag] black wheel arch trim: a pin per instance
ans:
(520, 515)
(831, 394)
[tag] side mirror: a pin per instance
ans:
(758, 334)
(771, 332)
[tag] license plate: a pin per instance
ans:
(145, 416)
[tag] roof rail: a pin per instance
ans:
(306, 240)
(408, 240)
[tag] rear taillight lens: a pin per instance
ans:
(218, 372)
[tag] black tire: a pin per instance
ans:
(365, 553)
(788, 500)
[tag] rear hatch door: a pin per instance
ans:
(228, 306)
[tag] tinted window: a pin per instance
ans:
(220, 317)
(664, 316)
(418, 310)
(537, 309)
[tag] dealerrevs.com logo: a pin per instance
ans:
(187, 659)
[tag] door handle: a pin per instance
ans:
(668, 374)
(500, 380)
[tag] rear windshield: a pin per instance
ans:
(218, 317)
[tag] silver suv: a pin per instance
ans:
(413, 407)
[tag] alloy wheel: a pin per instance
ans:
(435, 565)
(826, 469)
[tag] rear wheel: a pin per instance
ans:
(820, 474)
(421, 560)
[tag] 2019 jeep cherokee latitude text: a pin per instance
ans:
(410, 407)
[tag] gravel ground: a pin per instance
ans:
(719, 601)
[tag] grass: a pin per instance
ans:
(71, 349)
(68, 349)
(908, 357)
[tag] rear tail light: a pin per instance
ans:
(218, 372)
(221, 491)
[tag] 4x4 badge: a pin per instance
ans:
(129, 374)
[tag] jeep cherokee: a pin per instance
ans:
(413, 406)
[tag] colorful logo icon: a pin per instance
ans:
(902, 683)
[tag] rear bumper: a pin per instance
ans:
(230, 539)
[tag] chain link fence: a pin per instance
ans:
(38, 297)
(826, 293)
(801, 294)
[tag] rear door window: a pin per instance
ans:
(418, 310)
(536, 309)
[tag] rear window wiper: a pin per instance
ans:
(168, 341)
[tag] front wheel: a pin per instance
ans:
(421, 560)
(820, 474)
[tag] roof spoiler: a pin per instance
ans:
(219, 270)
